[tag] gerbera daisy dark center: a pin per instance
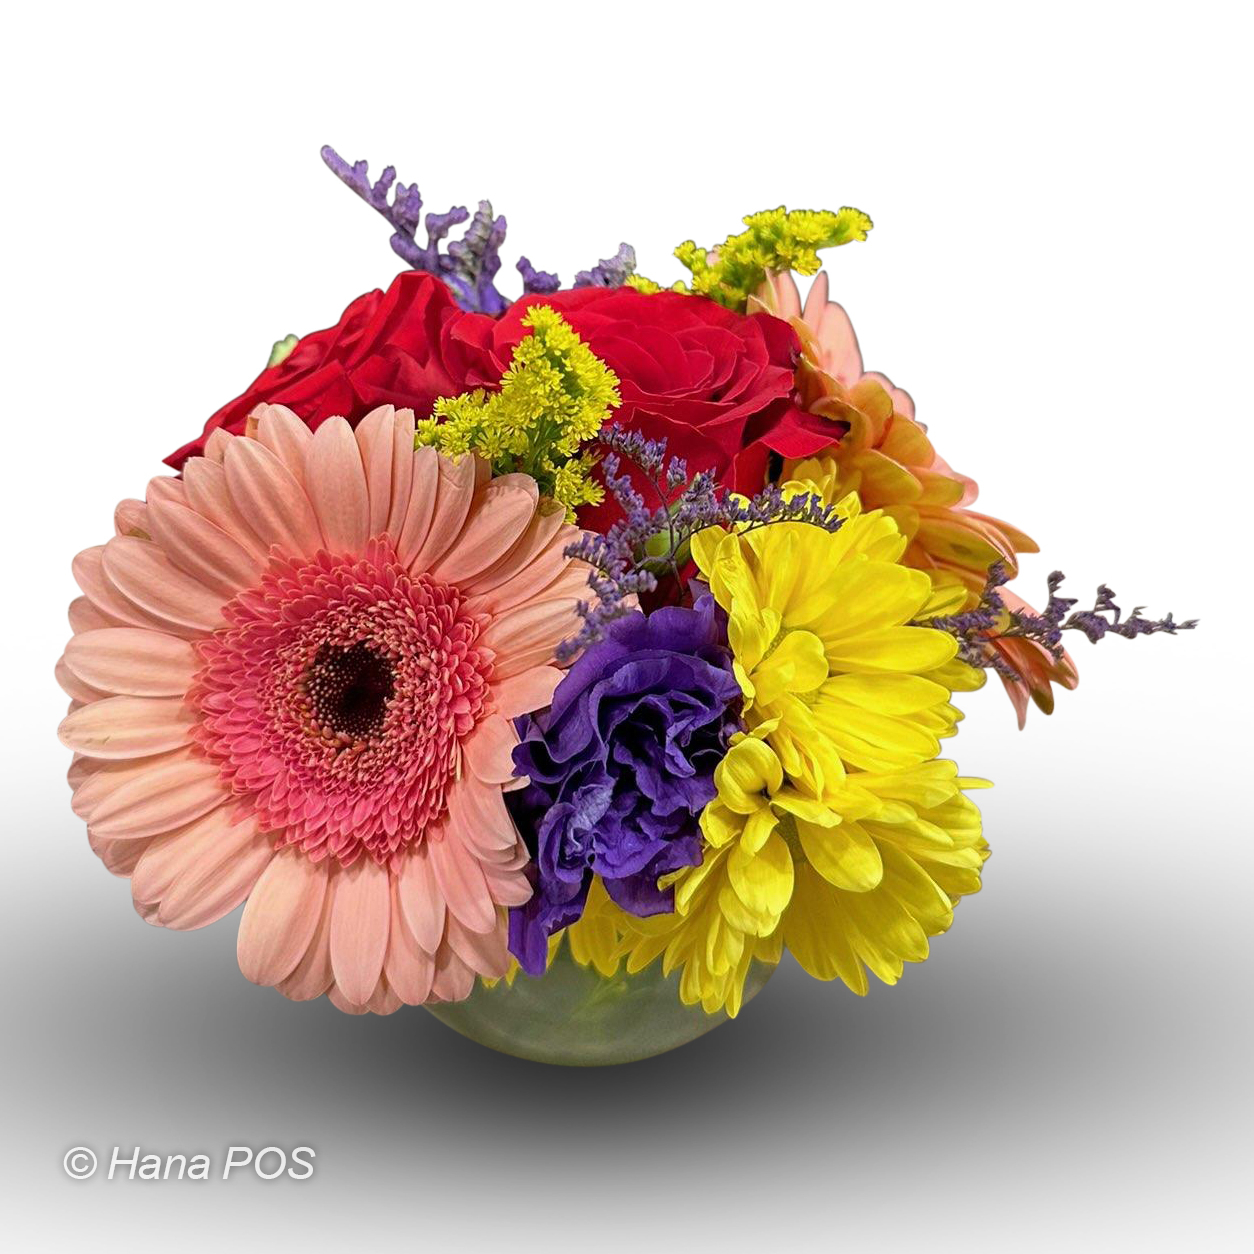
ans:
(349, 690)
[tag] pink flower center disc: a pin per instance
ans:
(336, 699)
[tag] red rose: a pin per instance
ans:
(405, 347)
(716, 385)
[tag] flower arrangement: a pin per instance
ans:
(557, 663)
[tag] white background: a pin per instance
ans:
(1059, 273)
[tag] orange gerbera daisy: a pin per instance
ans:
(293, 675)
(884, 455)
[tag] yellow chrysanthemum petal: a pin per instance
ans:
(873, 594)
(719, 824)
(593, 938)
(806, 809)
(797, 665)
(762, 880)
(749, 769)
(887, 694)
(815, 933)
(908, 649)
(844, 855)
(757, 829)
(750, 633)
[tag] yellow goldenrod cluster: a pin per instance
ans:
(776, 239)
(556, 395)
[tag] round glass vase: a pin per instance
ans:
(573, 1017)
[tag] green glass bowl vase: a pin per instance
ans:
(573, 1017)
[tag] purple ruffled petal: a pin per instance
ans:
(621, 766)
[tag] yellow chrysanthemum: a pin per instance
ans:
(856, 880)
(820, 628)
(834, 831)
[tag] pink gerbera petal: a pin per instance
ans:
(270, 498)
(281, 916)
(284, 435)
(131, 519)
(336, 481)
(420, 898)
(131, 661)
(359, 928)
(374, 435)
(313, 975)
(128, 727)
(409, 966)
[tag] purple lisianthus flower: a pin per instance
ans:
(621, 766)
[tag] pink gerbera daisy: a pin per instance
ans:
(293, 673)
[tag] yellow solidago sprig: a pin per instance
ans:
(556, 395)
(776, 239)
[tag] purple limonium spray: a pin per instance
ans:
(620, 768)
(991, 619)
(468, 265)
(651, 540)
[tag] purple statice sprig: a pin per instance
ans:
(651, 541)
(991, 619)
(609, 271)
(468, 265)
